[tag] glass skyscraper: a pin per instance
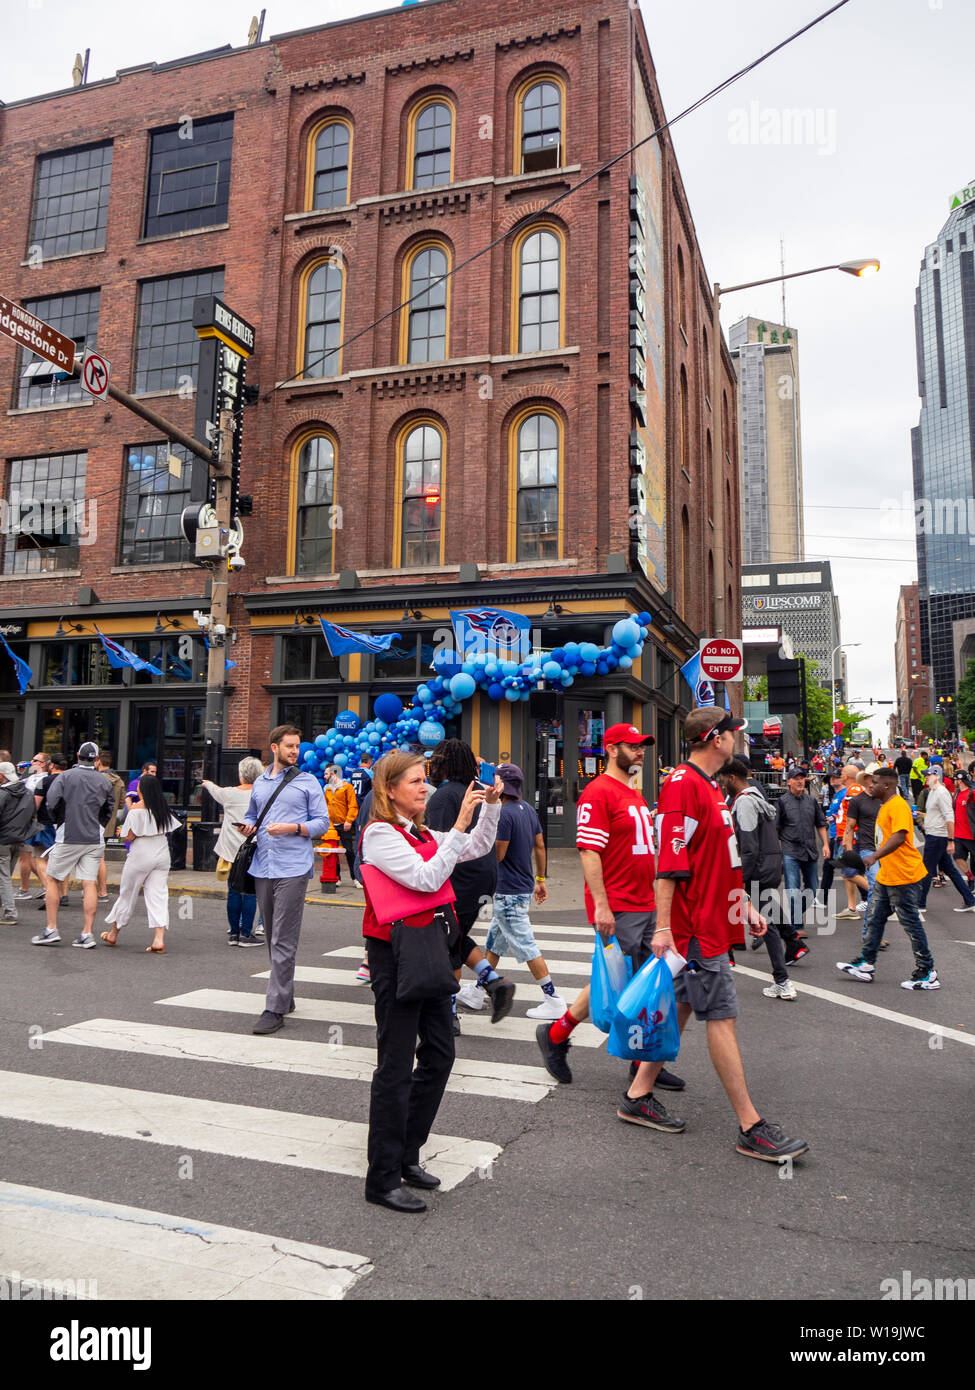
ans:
(943, 442)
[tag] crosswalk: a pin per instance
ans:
(132, 1252)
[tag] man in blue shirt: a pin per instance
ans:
(283, 862)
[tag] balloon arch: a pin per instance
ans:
(396, 725)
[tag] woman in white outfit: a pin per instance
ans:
(147, 866)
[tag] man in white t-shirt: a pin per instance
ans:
(939, 837)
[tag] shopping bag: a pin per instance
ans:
(611, 972)
(645, 1024)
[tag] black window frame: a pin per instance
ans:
(88, 203)
(180, 147)
(39, 473)
(75, 314)
(154, 340)
(168, 545)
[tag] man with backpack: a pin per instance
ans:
(16, 820)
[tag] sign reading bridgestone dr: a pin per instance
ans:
(722, 659)
(36, 335)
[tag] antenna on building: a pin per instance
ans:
(256, 30)
(79, 71)
(782, 263)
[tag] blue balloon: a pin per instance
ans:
(558, 655)
(341, 759)
(588, 651)
(388, 708)
(347, 722)
(571, 652)
(552, 670)
(375, 738)
(588, 668)
(601, 668)
(510, 668)
(626, 632)
(491, 668)
(309, 759)
(512, 695)
(321, 741)
(495, 692)
(469, 667)
(446, 663)
(566, 680)
(625, 663)
(462, 686)
(431, 733)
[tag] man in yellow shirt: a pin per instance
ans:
(898, 888)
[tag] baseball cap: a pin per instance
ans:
(512, 778)
(626, 733)
(8, 771)
(88, 752)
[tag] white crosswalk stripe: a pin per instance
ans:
(556, 968)
(128, 1252)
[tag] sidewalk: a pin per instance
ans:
(564, 885)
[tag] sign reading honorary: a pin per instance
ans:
(39, 337)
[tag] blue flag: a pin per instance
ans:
(120, 657)
(342, 639)
(489, 631)
(227, 665)
(703, 688)
(24, 673)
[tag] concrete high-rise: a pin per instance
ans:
(943, 441)
(766, 356)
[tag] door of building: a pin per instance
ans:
(64, 728)
(172, 737)
(568, 755)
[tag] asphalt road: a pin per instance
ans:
(577, 1205)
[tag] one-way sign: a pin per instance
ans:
(33, 333)
(95, 372)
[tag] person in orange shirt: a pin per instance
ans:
(342, 811)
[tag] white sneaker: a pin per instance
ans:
(471, 996)
(846, 915)
(552, 1006)
(964, 909)
(786, 991)
(860, 909)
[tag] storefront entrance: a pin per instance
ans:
(64, 728)
(172, 736)
(568, 754)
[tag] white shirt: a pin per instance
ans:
(938, 811)
(235, 801)
(386, 849)
(143, 826)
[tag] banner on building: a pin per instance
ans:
(342, 640)
(491, 632)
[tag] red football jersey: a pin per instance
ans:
(697, 847)
(616, 822)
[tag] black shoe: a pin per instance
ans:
(292, 1009)
(767, 1141)
(554, 1055)
(232, 940)
(502, 996)
(648, 1111)
(415, 1176)
(268, 1023)
(397, 1200)
(249, 941)
(455, 1025)
(667, 1081)
(797, 955)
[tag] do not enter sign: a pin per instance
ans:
(722, 659)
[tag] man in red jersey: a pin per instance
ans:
(701, 905)
(614, 836)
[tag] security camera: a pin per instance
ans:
(236, 562)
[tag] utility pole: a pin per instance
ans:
(219, 607)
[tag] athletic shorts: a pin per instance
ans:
(634, 932)
(80, 860)
(710, 990)
(44, 838)
(965, 849)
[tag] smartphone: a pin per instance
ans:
(486, 773)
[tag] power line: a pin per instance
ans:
(689, 110)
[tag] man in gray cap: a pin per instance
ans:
(81, 802)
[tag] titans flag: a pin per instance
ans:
(702, 688)
(342, 639)
(119, 656)
(491, 631)
(24, 673)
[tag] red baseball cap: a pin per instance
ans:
(626, 733)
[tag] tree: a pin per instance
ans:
(756, 688)
(926, 724)
(965, 698)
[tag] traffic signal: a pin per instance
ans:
(784, 685)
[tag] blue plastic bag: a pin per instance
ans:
(611, 972)
(645, 1025)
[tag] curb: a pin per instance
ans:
(204, 890)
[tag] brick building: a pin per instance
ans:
(534, 433)
(912, 676)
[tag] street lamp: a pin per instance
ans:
(832, 669)
(862, 268)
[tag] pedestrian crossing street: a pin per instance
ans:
(134, 1252)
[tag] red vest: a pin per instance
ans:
(426, 849)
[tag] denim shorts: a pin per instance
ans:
(510, 933)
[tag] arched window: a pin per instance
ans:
(322, 290)
(685, 564)
(538, 301)
(312, 510)
(420, 475)
(430, 147)
(709, 474)
(685, 442)
(680, 288)
(424, 332)
(536, 461)
(706, 362)
(329, 157)
(709, 596)
(539, 126)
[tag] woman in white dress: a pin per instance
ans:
(147, 866)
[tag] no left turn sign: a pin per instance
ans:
(95, 373)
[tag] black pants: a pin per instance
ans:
(348, 844)
(404, 1102)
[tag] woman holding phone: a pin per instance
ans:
(404, 1102)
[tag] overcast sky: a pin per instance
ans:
(888, 87)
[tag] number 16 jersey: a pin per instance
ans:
(613, 819)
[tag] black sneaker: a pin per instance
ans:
(554, 1055)
(268, 1023)
(667, 1081)
(232, 939)
(797, 954)
(455, 1025)
(501, 992)
(647, 1110)
(250, 941)
(767, 1141)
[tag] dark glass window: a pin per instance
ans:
(74, 315)
(410, 657)
(71, 201)
(189, 176)
(422, 470)
(152, 500)
(47, 517)
(167, 347)
(323, 320)
(180, 657)
(541, 128)
(312, 717)
(538, 488)
(77, 663)
(331, 166)
(306, 657)
(428, 311)
(431, 146)
(539, 293)
(316, 516)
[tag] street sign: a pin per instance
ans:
(95, 372)
(722, 659)
(36, 335)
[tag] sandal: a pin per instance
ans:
(156, 950)
(106, 940)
